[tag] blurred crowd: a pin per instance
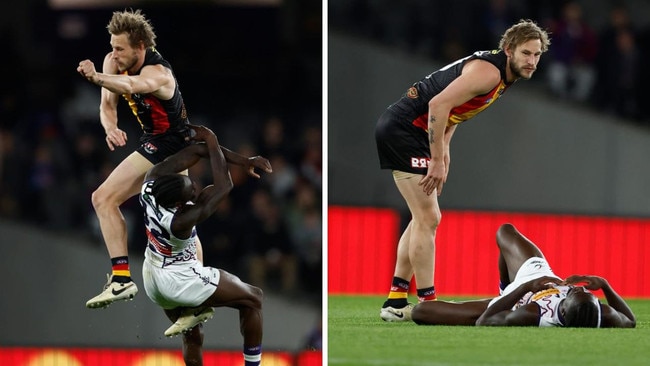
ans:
(595, 54)
(53, 153)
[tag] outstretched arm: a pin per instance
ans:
(448, 312)
(501, 313)
(616, 314)
(178, 162)
(155, 79)
(247, 163)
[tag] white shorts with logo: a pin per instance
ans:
(532, 268)
(184, 284)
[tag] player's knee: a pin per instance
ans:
(437, 217)
(101, 198)
(505, 229)
(257, 295)
(430, 220)
(97, 199)
(104, 198)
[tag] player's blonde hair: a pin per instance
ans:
(135, 25)
(524, 31)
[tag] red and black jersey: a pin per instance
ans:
(157, 116)
(413, 105)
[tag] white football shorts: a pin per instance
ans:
(188, 284)
(532, 268)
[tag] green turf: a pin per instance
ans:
(357, 336)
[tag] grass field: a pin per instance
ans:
(357, 336)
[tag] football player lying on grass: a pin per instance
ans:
(532, 295)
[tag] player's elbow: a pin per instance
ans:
(483, 321)
(629, 323)
(632, 324)
(228, 185)
(223, 189)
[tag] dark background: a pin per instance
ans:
(251, 71)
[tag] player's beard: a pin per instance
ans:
(517, 71)
(121, 67)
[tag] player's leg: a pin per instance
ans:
(193, 346)
(514, 250)
(419, 243)
(449, 313)
(425, 219)
(192, 340)
(396, 307)
(123, 183)
(234, 293)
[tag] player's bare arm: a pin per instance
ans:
(478, 77)
(108, 111)
(616, 313)
(449, 133)
(153, 79)
(178, 162)
(248, 163)
(501, 313)
(206, 203)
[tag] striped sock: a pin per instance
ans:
(398, 295)
(121, 272)
(426, 294)
(252, 355)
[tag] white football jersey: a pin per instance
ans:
(549, 304)
(163, 248)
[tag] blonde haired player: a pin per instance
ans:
(413, 137)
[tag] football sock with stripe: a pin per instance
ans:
(426, 294)
(121, 272)
(398, 295)
(252, 356)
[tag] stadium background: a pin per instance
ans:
(250, 70)
(571, 174)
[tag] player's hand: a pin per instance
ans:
(115, 137)
(87, 69)
(435, 178)
(260, 163)
(542, 283)
(590, 282)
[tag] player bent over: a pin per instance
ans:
(173, 273)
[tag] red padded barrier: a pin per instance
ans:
(362, 243)
(33, 356)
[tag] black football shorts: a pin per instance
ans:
(157, 148)
(401, 145)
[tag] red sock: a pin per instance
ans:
(426, 294)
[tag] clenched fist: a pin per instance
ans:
(87, 69)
